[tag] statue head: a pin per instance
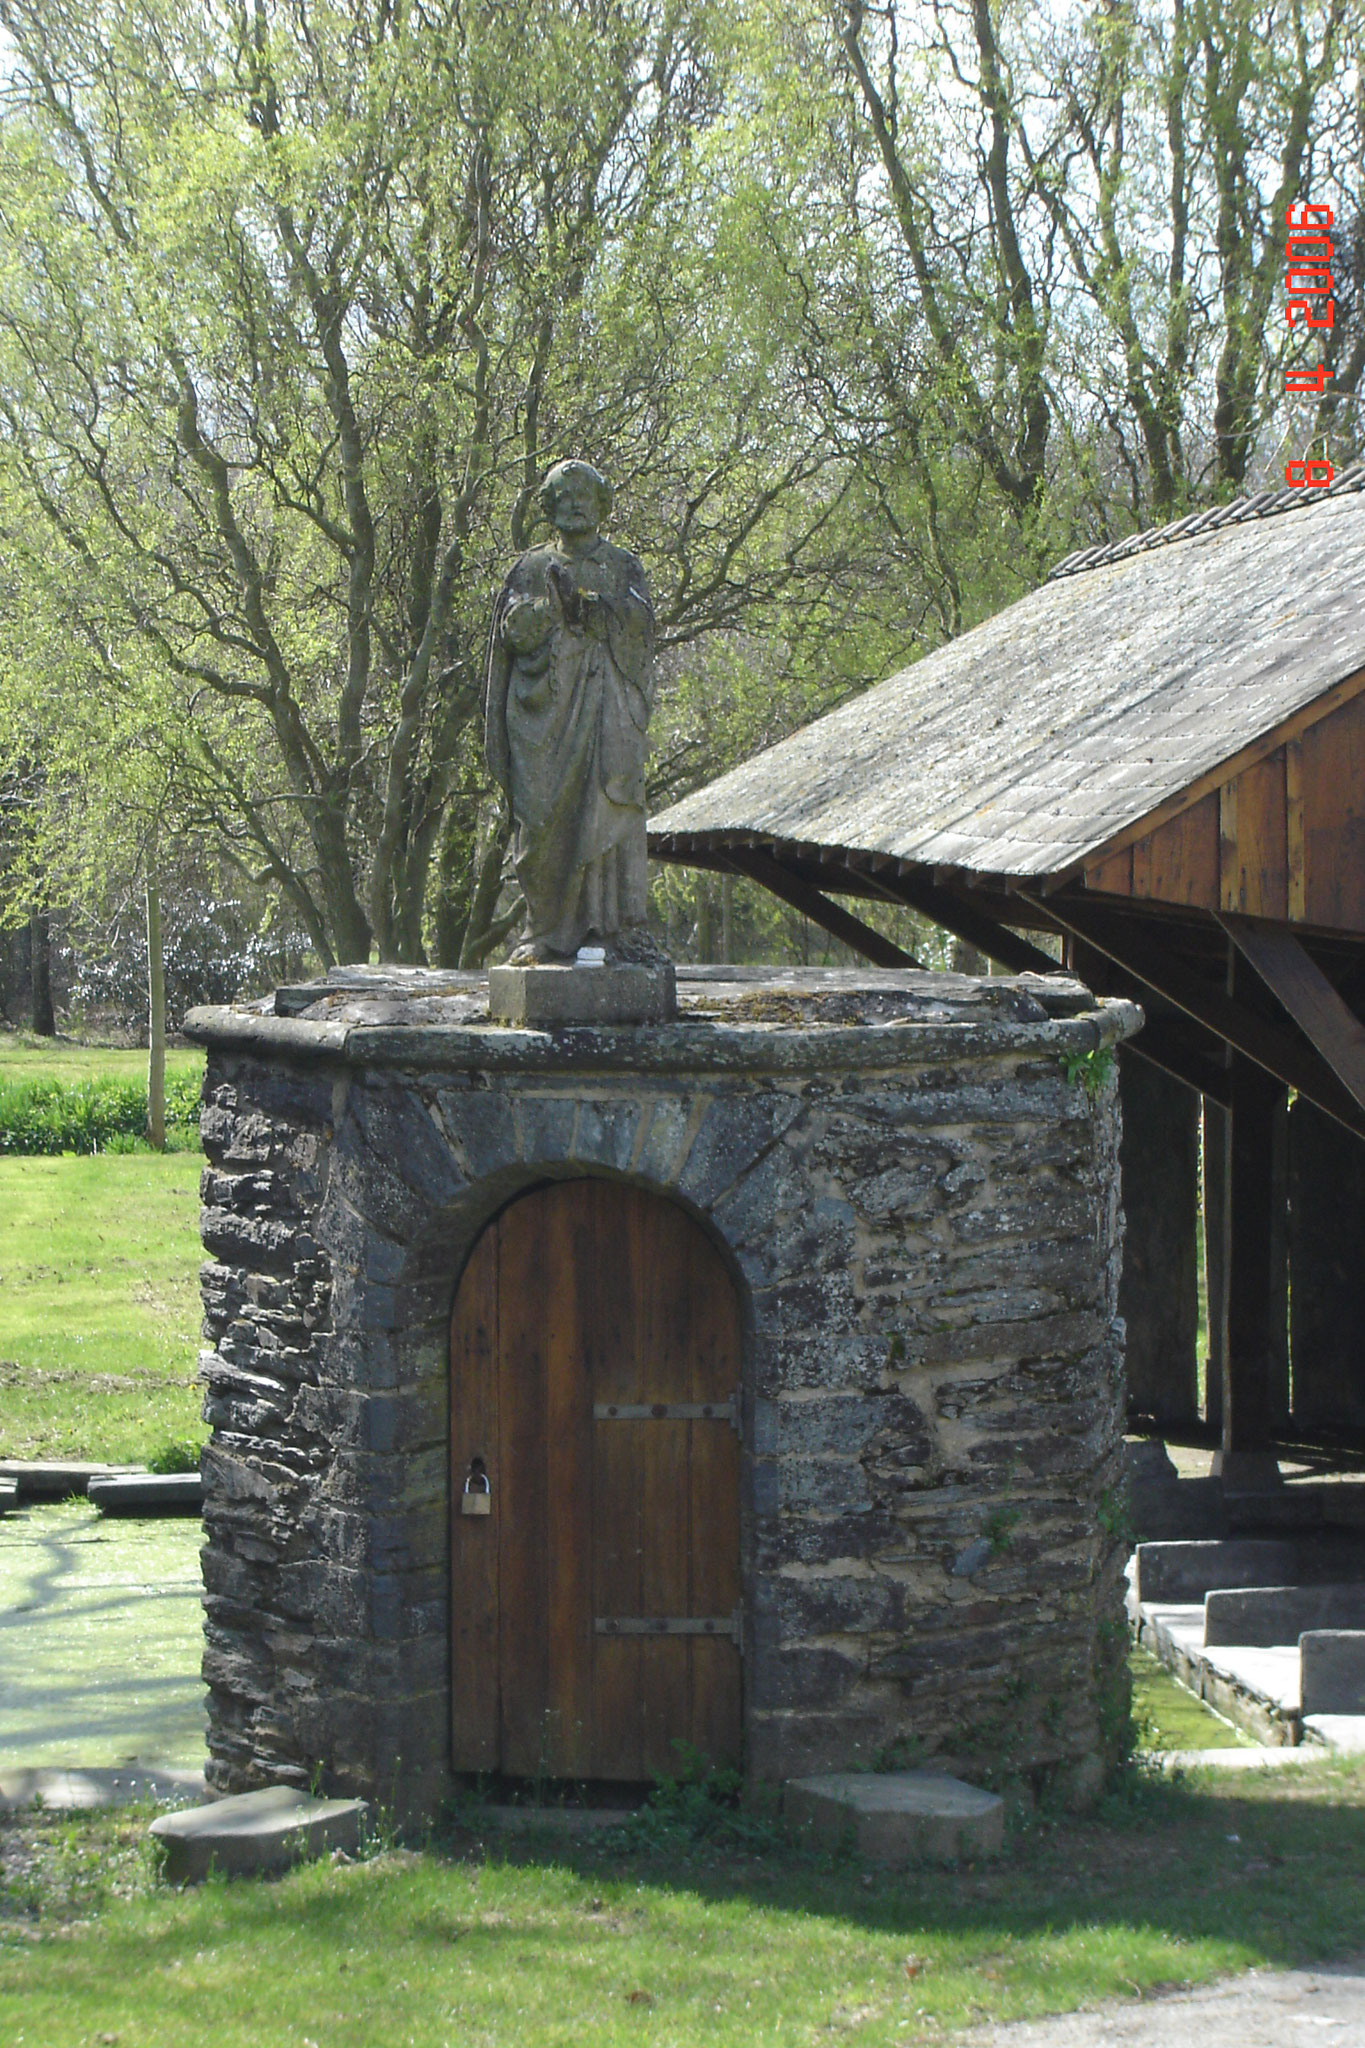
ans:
(575, 497)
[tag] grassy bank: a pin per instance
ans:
(26, 1058)
(99, 1307)
(672, 1937)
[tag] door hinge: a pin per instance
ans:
(669, 1411)
(730, 1626)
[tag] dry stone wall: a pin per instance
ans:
(914, 1180)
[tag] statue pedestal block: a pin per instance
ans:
(546, 998)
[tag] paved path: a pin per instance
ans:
(1263, 2009)
(101, 1635)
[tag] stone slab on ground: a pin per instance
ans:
(898, 1816)
(1344, 1733)
(78, 1790)
(256, 1832)
(1173, 1574)
(1332, 1670)
(9, 1494)
(1263, 2009)
(147, 1493)
(56, 1478)
(1260, 1616)
(544, 998)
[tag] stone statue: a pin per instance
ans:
(570, 689)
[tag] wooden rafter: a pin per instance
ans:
(841, 924)
(1288, 1058)
(1294, 977)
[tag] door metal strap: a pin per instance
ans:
(668, 1411)
(729, 1625)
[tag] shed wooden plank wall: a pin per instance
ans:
(1285, 839)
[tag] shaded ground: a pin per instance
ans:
(100, 1633)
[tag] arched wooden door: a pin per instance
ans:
(595, 1373)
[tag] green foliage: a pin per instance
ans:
(40, 1117)
(705, 1804)
(177, 1455)
(1113, 1514)
(1092, 1070)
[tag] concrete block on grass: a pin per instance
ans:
(898, 1816)
(148, 1493)
(56, 1478)
(1332, 1670)
(255, 1833)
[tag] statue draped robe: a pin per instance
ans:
(570, 690)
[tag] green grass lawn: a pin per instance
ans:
(668, 1938)
(26, 1058)
(99, 1305)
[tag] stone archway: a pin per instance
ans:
(595, 1391)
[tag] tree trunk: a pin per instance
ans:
(40, 972)
(156, 1018)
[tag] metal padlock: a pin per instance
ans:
(477, 1498)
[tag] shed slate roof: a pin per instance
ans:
(1031, 740)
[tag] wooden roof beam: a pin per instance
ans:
(1292, 975)
(1297, 1064)
(1161, 1042)
(763, 868)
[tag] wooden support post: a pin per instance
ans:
(1246, 1462)
(1217, 1162)
(1327, 1301)
(1279, 1265)
(1158, 1291)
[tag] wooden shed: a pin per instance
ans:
(1160, 756)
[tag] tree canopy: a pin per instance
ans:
(869, 313)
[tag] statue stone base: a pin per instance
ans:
(548, 997)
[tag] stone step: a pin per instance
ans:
(256, 1832)
(1332, 1671)
(147, 1493)
(1264, 1615)
(1173, 1574)
(898, 1816)
(57, 1478)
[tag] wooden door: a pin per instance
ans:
(595, 1371)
